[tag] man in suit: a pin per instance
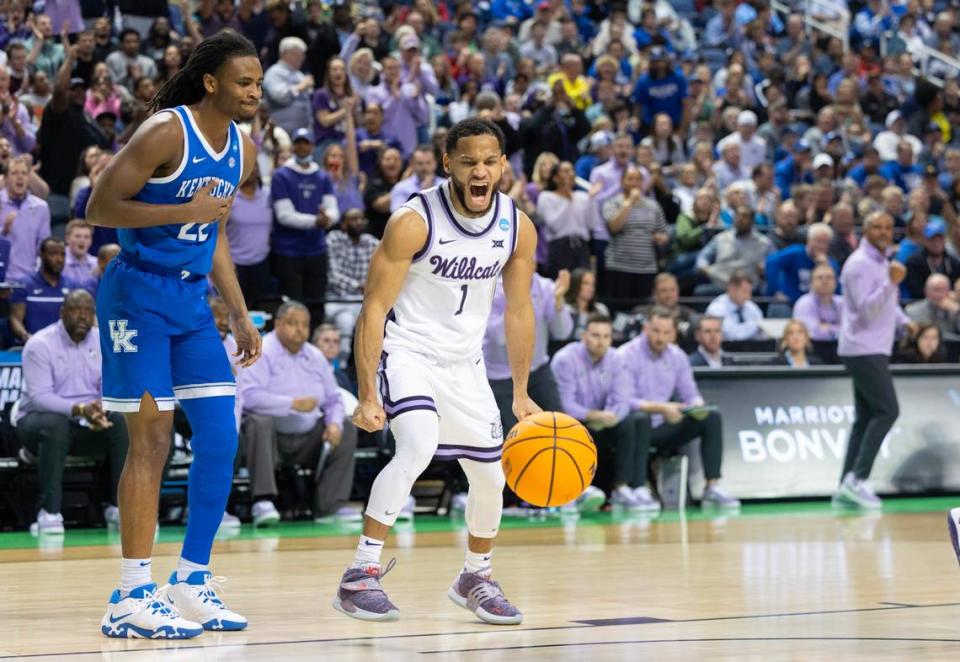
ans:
(709, 352)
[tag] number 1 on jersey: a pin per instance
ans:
(463, 299)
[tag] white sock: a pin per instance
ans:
(368, 552)
(477, 561)
(133, 573)
(185, 568)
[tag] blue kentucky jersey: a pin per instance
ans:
(186, 247)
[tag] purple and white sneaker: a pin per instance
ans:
(477, 593)
(953, 524)
(361, 596)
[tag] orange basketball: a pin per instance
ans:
(549, 459)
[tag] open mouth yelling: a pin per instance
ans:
(478, 193)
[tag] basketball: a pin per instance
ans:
(549, 459)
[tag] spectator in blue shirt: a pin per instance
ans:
(794, 169)
(869, 166)
(789, 269)
(649, 33)
(663, 89)
(903, 172)
(37, 304)
(722, 30)
(600, 143)
(512, 9)
(873, 20)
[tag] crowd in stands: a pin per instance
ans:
(711, 161)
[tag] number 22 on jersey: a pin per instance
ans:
(187, 234)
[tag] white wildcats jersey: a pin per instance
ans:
(445, 301)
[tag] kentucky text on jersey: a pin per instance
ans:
(186, 249)
(461, 268)
(222, 189)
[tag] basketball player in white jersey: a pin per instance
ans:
(420, 365)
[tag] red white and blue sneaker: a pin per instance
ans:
(196, 599)
(477, 593)
(361, 596)
(144, 614)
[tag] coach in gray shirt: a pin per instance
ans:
(286, 89)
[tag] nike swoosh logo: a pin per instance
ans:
(446, 241)
(144, 564)
(114, 619)
(196, 160)
(372, 544)
(388, 513)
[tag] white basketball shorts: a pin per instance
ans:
(458, 392)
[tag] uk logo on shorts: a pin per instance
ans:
(122, 337)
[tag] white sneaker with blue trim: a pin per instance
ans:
(197, 600)
(144, 614)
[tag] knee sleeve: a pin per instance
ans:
(417, 434)
(214, 428)
(484, 498)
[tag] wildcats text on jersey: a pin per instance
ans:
(462, 268)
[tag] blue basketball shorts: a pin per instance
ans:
(157, 336)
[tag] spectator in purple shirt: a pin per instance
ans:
(341, 163)
(405, 107)
(79, 265)
(332, 103)
(371, 139)
(25, 220)
(16, 124)
(60, 409)
(292, 409)
(304, 207)
(215, 15)
(586, 372)
(424, 176)
(413, 68)
(870, 319)
(552, 322)
(820, 310)
(655, 378)
(37, 304)
(248, 232)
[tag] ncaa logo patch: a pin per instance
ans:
(504, 224)
(232, 162)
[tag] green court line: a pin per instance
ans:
(434, 524)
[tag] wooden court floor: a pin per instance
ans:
(770, 584)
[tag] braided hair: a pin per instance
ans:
(186, 86)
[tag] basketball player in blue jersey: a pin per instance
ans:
(420, 362)
(168, 192)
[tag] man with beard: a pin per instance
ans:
(169, 192)
(61, 413)
(421, 328)
(350, 250)
(36, 305)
